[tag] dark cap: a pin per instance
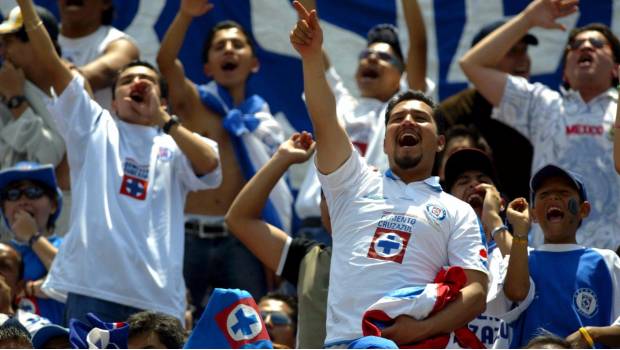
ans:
(14, 22)
(486, 30)
(467, 159)
(554, 171)
(386, 33)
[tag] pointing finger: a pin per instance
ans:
(301, 10)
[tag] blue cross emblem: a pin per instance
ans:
(244, 322)
(134, 187)
(388, 244)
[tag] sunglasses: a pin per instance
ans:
(31, 192)
(277, 318)
(383, 56)
(577, 43)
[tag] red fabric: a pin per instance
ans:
(450, 282)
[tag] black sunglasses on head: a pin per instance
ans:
(31, 192)
(277, 318)
(577, 43)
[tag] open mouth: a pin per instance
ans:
(408, 140)
(476, 200)
(585, 60)
(554, 214)
(370, 73)
(229, 66)
(76, 3)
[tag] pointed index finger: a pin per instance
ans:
(302, 13)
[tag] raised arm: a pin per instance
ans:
(470, 303)
(608, 336)
(479, 63)
(333, 146)
(517, 281)
(416, 57)
(311, 5)
(102, 71)
(244, 216)
(44, 49)
(491, 219)
(182, 93)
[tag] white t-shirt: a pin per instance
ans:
(389, 235)
(86, 49)
(576, 136)
(129, 183)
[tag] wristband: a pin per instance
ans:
(32, 27)
(497, 230)
(34, 238)
(517, 239)
(586, 335)
(174, 120)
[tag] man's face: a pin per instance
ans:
(40, 208)
(590, 62)
(231, 59)
(558, 210)
(145, 340)
(278, 320)
(134, 84)
(517, 61)
(456, 143)
(377, 74)
(411, 139)
(82, 11)
(464, 188)
(19, 53)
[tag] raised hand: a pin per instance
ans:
(307, 36)
(518, 214)
(195, 8)
(491, 207)
(298, 148)
(544, 13)
(24, 226)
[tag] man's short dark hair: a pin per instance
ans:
(386, 33)
(613, 41)
(163, 84)
(227, 24)
(13, 333)
(417, 96)
(168, 328)
(470, 132)
(547, 338)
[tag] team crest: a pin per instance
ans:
(135, 180)
(164, 154)
(436, 212)
(586, 302)
(241, 324)
(389, 245)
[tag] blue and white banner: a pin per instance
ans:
(450, 24)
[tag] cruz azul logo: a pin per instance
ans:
(391, 237)
(241, 324)
(135, 179)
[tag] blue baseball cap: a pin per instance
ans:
(555, 171)
(33, 171)
(46, 333)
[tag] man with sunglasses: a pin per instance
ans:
(572, 129)
(279, 312)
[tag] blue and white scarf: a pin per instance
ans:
(252, 151)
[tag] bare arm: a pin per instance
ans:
(183, 96)
(470, 303)
(416, 57)
(479, 63)
(45, 251)
(244, 216)
(333, 146)
(43, 47)
(102, 71)
(491, 218)
(517, 281)
(608, 336)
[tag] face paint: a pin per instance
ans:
(573, 206)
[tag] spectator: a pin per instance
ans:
(382, 71)
(458, 137)
(213, 258)
(31, 202)
(471, 177)
(131, 174)
(570, 129)
(14, 336)
(89, 41)
(279, 312)
(548, 341)
(300, 261)
(154, 330)
(26, 128)
(373, 215)
(576, 287)
(469, 107)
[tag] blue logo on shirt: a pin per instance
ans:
(586, 302)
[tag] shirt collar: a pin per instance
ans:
(566, 247)
(610, 93)
(432, 182)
